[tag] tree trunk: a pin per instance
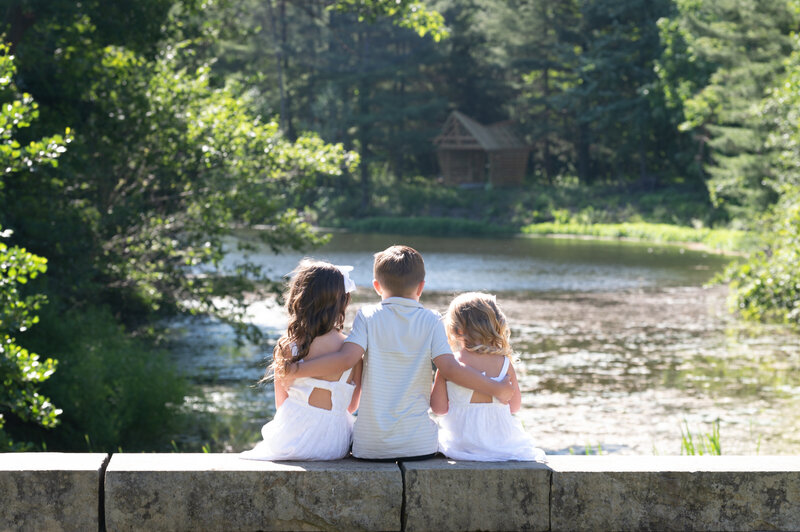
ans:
(548, 162)
(279, 62)
(363, 128)
(18, 22)
(584, 159)
(287, 105)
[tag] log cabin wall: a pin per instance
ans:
(471, 153)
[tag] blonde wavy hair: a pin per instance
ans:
(475, 322)
(316, 301)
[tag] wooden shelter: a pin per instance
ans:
(466, 149)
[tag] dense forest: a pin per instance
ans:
(135, 136)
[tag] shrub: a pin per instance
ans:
(115, 390)
(427, 226)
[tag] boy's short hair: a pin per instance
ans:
(399, 269)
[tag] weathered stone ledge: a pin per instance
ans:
(52, 491)
(223, 492)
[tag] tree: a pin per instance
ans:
(767, 285)
(168, 159)
(581, 83)
(410, 14)
(21, 371)
(353, 78)
(725, 55)
(163, 166)
(535, 45)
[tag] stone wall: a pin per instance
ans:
(52, 491)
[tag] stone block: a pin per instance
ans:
(223, 492)
(50, 491)
(442, 494)
(675, 493)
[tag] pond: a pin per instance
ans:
(621, 345)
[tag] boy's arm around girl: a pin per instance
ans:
(350, 354)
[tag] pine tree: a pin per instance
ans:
(737, 48)
(618, 133)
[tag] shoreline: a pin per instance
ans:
(520, 233)
(692, 246)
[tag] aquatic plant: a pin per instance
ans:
(700, 444)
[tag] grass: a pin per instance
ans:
(700, 444)
(720, 240)
(726, 240)
(589, 450)
(672, 214)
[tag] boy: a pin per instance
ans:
(398, 338)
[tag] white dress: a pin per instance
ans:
(485, 432)
(300, 431)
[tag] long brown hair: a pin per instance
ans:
(316, 302)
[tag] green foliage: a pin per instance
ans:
(160, 172)
(577, 78)
(196, 162)
(17, 112)
(21, 370)
(583, 85)
(137, 24)
(566, 200)
(212, 163)
(425, 225)
(717, 239)
(115, 390)
(767, 285)
(693, 444)
(410, 14)
(722, 57)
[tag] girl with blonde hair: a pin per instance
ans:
(314, 418)
(474, 426)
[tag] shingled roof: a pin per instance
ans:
(459, 128)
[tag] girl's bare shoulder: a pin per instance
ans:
(491, 365)
(462, 357)
(326, 343)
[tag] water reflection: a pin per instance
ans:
(510, 264)
(618, 345)
(623, 370)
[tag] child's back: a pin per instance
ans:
(483, 430)
(475, 426)
(400, 338)
(313, 421)
(314, 414)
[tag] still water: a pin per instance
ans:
(620, 345)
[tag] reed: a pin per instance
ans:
(701, 444)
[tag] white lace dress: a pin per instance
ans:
(485, 432)
(300, 431)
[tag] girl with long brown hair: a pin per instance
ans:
(314, 418)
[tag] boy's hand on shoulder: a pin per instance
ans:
(291, 374)
(505, 390)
